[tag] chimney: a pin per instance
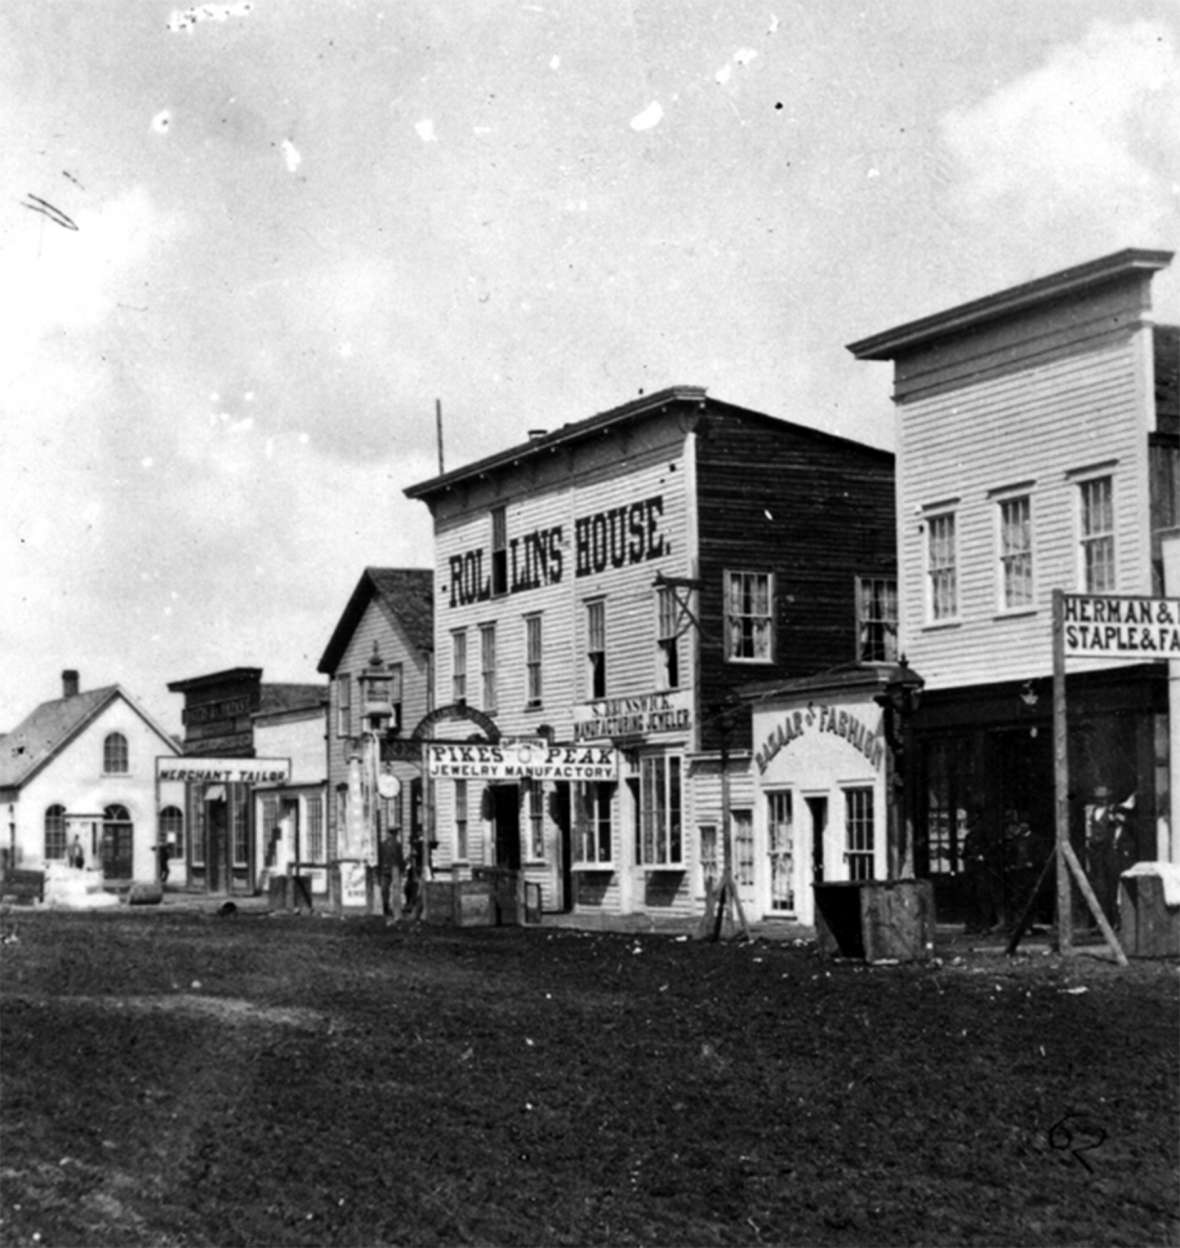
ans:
(69, 683)
(535, 435)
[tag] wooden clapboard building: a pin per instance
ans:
(601, 591)
(1038, 442)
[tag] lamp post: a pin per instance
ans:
(899, 701)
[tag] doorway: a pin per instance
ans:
(506, 817)
(817, 810)
(217, 825)
(117, 843)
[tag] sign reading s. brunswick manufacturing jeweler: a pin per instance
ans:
(520, 760)
(1124, 627)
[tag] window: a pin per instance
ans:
(114, 754)
(196, 823)
(596, 649)
(117, 842)
(592, 822)
(858, 829)
(876, 619)
(748, 617)
(487, 664)
(338, 835)
(172, 830)
(742, 824)
(659, 812)
(942, 594)
(1096, 500)
(315, 828)
(950, 795)
(385, 690)
(344, 705)
(499, 551)
(55, 833)
(780, 847)
(1016, 566)
(459, 665)
(667, 638)
(532, 659)
(709, 854)
(534, 796)
(461, 820)
(239, 815)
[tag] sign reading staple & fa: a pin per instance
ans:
(1121, 626)
(521, 761)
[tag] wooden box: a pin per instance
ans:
(877, 920)
(1149, 927)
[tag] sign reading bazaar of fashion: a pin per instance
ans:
(1126, 627)
(524, 759)
(613, 538)
(822, 718)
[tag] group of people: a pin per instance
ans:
(399, 877)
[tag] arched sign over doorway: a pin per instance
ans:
(452, 712)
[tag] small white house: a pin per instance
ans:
(79, 774)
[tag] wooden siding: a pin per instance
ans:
(968, 434)
(814, 510)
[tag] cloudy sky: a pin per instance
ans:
(245, 247)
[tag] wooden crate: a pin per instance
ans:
(1149, 927)
(877, 920)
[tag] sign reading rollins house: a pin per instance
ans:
(613, 538)
(1121, 627)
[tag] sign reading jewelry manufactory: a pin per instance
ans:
(640, 715)
(224, 770)
(1122, 627)
(521, 760)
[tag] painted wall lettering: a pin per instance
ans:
(619, 536)
(822, 718)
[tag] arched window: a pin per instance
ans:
(117, 833)
(114, 754)
(172, 830)
(55, 833)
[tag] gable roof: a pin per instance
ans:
(407, 594)
(41, 736)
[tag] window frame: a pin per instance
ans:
(489, 692)
(166, 823)
(342, 684)
(748, 575)
(57, 813)
(1004, 603)
(499, 550)
(595, 653)
(461, 821)
(668, 610)
(934, 615)
(459, 665)
(777, 853)
(659, 845)
(116, 754)
(534, 650)
(874, 628)
(860, 831)
(1088, 540)
(594, 824)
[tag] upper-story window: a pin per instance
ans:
(876, 619)
(596, 648)
(1096, 531)
(942, 579)
(459, 665)
(1016, 553)
(499, 550)
(487, 666)
(343, 684)
(396, 694)
(532, 659)
(114, 754)
(55, 833)
(668, 638)
(749, 617)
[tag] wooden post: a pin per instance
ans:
(1061, 776)
(1095, 906)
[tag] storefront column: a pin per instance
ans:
(1167, 849)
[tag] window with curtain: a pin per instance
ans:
(749, 617)
(1096, 503)
(1016, 555)
(876, 619)
(942, 590)
(660, 842)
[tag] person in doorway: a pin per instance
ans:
(390, 864)
(76, 855)
(163, 854)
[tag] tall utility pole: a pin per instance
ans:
(438, 434)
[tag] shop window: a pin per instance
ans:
(1016, 554)
(343, 683)
(338, 835)
(876, 619)
(660, 839)
(499, 551)
(532, 660)
(742, 825)
(459, 665)
(780, 848)
(668, 638)
(172, 830)
(942, 589)
(461, 849)
(709, 853)
(487, 661)
(114, 754)
(859, 831)
(55, 833)
(749, 617)
(240, 818)
(315, 828)
(1096, 526)
(532, 796)
(197, 824)
(592, 823)
(596, 648)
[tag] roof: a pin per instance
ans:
(850, 678)
(891, 343)
(42, 735)
(597, 426)
(406, 593)
(231, 675)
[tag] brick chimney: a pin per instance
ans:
(69, 683)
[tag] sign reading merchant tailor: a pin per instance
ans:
(1122, 627)
(614, 538)
(224, 770)
(521, 760)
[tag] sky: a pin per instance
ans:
(246, 247)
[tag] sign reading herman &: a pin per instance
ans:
(1113, 626)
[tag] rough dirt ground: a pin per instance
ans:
(174, 1079)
